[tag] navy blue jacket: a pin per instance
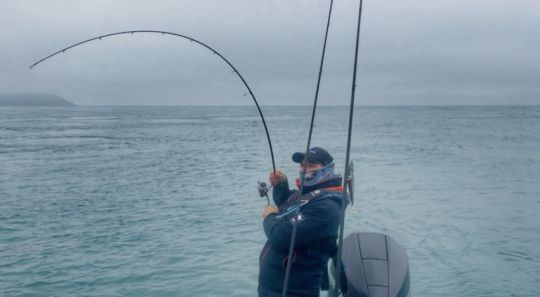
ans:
(317, 231)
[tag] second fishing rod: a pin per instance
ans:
(347, 177)
(304, 168)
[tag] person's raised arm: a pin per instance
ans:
(280, 191)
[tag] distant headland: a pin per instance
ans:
(33, 100)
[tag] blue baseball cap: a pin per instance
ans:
(315, 155)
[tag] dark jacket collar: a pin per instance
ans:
(335, 182)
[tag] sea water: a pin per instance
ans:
(162, 201)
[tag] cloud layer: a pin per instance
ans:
(411, 52)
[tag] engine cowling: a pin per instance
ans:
(374, 265)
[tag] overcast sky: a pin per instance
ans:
(411, 52)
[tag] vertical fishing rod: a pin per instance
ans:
(347, 156)
(191, 40)
(301, 189)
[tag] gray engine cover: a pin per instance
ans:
(374, 265)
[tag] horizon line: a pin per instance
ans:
(309, 105)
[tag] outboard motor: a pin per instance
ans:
(373, 265)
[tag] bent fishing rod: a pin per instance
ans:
(191, 39)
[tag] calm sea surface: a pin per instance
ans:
(162, 201)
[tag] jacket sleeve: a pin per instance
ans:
(319, 219)
(281, 192)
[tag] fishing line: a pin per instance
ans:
(301, 188)
(192, 40)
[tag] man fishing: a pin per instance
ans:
(316, 214)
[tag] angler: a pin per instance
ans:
(374, 265)
(315, 214)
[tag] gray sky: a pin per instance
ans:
(411, 52)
